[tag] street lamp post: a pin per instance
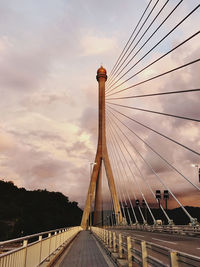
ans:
(198, 169)
(158, 197)
(166, 197)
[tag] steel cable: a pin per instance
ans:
(140, 172)
(115, 75)
(155, 94)
(138, 185)
(158, 59)
(163, 135)
(158, 76)
(149, 165)
(161, 157)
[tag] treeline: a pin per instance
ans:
(25, 212)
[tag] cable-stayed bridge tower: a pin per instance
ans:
(101, 158)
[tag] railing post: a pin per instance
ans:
(25, 244)
(49, 236)
(144, 254)
(129, 251)
(120, 246)
(55, 241)
(110, 239)
(114, 242)
(107, 238)
(174, 259)
(40, 240)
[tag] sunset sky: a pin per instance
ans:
(49, 54)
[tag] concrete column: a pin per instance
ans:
(101, 155)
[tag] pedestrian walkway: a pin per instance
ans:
(85, 252)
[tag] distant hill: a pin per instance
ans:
(25, 212)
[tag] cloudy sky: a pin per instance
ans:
(49, 53)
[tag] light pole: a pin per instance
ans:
(90, 221)
(166, 197)
(198, 169)
(158, 197)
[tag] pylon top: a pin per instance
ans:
(101, 72)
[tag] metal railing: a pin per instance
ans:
(32, 250)
(142, 252)
(173, 229)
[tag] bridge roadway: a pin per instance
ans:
(85, 251)
(186, 244)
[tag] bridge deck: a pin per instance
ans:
(85, 251)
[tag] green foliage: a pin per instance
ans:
(25, 212)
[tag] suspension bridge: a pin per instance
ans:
(145, 174)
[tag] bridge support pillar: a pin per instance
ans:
(101, 158)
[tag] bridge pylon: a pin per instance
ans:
(101, 157)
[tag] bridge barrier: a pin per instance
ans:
(191, 230)
(141, 252)
(33, 250)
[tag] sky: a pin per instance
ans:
(49, 54)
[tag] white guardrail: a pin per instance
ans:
(141, 252)
(32, 250)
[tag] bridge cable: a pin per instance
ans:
(138, 185)
(155, 94)
(162, 39)
(169, 164)
(110, 81)
(123, 182)
(115, 75)
(121, 193)
(116, 167)
(149, 165)
(124, 171)
(118, 175)
(129, 39)
(153, 62)
(157, 76)
(157, 132)
(155, 112)
(139, 170)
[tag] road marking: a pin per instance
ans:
(139, 235)
(198, 248)
(164, 241)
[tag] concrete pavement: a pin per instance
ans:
(85, 252)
